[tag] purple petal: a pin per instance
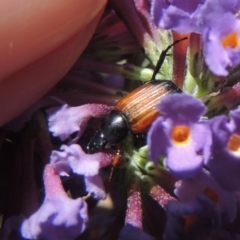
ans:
(235, 121)
(225, 160)
(221, 132)
(94, 186)
(202, 209)
(181, 107)
(202, 139)
(190, 189)
(177, 15)
(59, 217)
(229, 165)
(65, 120)
(224, 56)
(82, 163)
(183, 161)
(157, 140)
(180, 136)
(60, 161)
(205, 18)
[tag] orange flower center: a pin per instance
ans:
(180, 134)
(231, 40)
(234, 143)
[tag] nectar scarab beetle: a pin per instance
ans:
(133, 114)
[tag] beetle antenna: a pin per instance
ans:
(162, 57)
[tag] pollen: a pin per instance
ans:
(234, 143)
(231, 40)
(212, 195)
(180, 134)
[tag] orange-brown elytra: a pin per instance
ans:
(140, 105)
(133, 114)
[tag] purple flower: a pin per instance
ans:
(180, 136)
(221, 41)
(177, 15)
(192, 220)
(64, 121)
(205, 184)
(74, 158)
(59, 217)
(191, 16)
(225, 161)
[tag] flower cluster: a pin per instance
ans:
(63, 178)
(216, 21)
(184, 139)
(203, 155)
(59, 216)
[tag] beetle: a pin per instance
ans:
(133, 114)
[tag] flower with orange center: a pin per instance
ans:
(180, 136)
(225, 161)
(233, 144)
(187, 220)
(215, 20)
(205, 185)
(231, 40)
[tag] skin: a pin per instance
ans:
(40, 41)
